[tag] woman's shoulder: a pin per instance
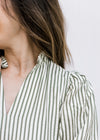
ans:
(77, 105)
(71, 77)
(75, 84)
(78, 90)
(66, 73)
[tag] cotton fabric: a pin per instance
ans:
(52, 104)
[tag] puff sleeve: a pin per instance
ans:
(78, 114)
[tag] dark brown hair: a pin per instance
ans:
(44, 23)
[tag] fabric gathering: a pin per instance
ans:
(52, 104)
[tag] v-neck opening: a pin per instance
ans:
(18, 93)
(39, 62)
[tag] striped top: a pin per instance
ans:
(52, 104)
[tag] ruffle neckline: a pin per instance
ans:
(41, 57)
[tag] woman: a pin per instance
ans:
(39, 99)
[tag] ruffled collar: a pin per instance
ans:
(41, 57)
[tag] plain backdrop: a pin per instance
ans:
(82, 19)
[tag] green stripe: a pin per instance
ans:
(52, 104)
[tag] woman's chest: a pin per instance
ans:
(10, 89)
(34, 113)
(33, 116)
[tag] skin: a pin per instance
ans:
(21, 55)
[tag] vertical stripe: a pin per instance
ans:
(52, 104)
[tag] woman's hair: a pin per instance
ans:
(44, 23)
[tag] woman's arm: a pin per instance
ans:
(78, 114)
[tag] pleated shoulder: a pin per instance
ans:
(78, 113)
